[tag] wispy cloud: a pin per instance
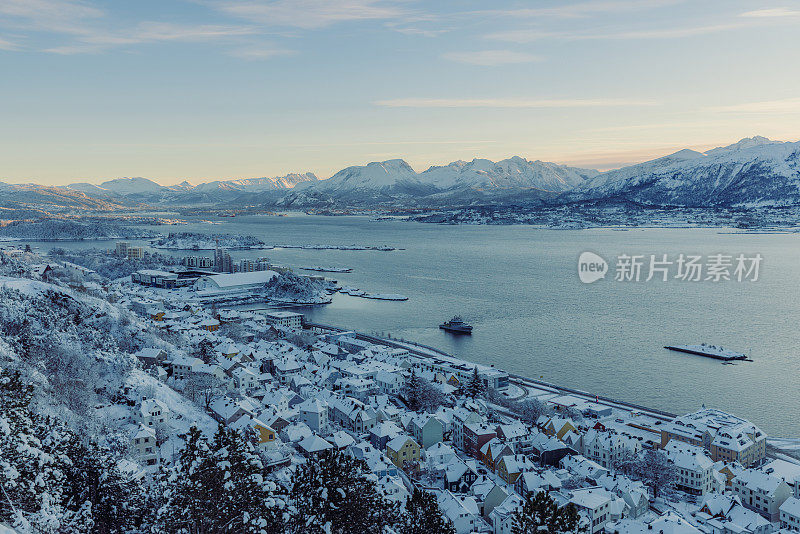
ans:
(582, 9)
(7, 45)
(310, 14)
(531, 35)
(777, 12)
(786, 105)
(262, 53)
(509, 103)
(491, 57)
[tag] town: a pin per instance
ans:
(478, 440)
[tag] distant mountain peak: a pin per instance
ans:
(743, 144)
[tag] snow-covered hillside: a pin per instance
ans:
(753, 172)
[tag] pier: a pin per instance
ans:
(710, 351)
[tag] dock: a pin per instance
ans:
(710, 351)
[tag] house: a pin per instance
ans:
(266, 436)
(461, 510)
(403, 449)
(151, 413)
(488, 494)
(533, 482)
(244, 379)
(609, 448)
(724, 514)
(314, 413)
(389, 383)
(455, 475)
(509, 468)
(384, 432)
(583, 467)
(439, 454)
(143, 445)
(787, 471)
(695, 470)
(502, 516)
(790, 514)
(341, 440)
(492, 451)
(226, 410)
(596, 504)
(427, 430)
(460, 418)
(550, 450)
(517, 435)
(313, 445)
(393, 489)
(556, 426)
(151, 356)
(475, 436)
(761, 492)
(634, 493)
(668, 523)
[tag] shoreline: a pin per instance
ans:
(523, 382)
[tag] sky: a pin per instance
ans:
(201, 90)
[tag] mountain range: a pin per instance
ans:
(755, 171)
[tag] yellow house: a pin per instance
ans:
(559, 427)
(403, 449)
(212, 325)
(509, 468)
(157, 316)
(265, 435)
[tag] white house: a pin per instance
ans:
(790, 514)
(501, 517)
(143, 446)
(151, 412)
(461, 510)
(596, 504)
(314, 413)
(696, 474)
(761, 492)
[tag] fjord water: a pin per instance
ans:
(518, 286)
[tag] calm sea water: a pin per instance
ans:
(519, 287)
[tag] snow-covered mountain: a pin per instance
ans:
(752, 172)
(131, 186)
(254, 185)
(459, 182)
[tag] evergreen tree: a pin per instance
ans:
(475, 388)
(331, 494)
(411, 390)
(423, 516)
(220, 487)
(541, 515)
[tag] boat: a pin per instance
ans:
(457, 326)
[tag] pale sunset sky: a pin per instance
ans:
(200, 90)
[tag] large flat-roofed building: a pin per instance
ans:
(154, 278)
(218, 283)
(728, 438)
(285, 318)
